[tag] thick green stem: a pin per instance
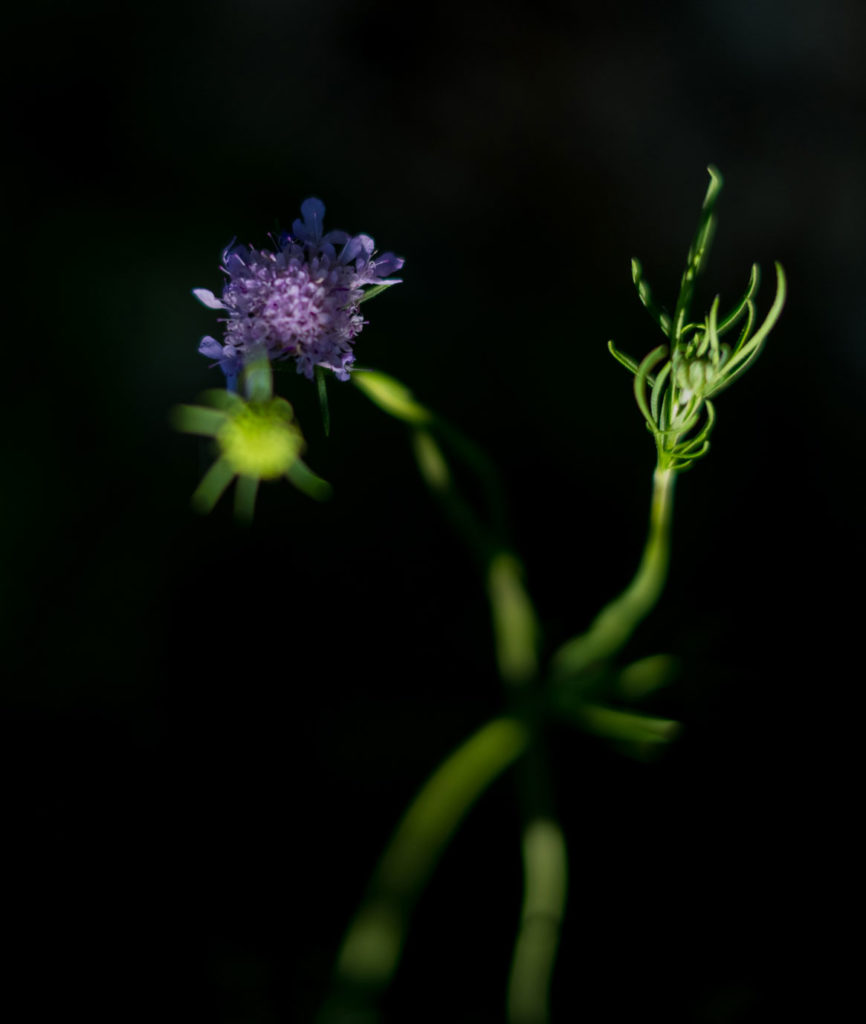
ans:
(515, 632)
(616, 622)
(373, 943)
(545, 865)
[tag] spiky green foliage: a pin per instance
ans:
(673, 384)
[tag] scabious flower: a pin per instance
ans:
(298, 301)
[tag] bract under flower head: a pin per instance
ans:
(257, 439)
(299, 300)
(261, 440)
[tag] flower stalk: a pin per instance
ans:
(617, 621)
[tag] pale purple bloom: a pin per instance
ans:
(299, 300)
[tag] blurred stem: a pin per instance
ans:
(616, 622)
(545, 865)
(395, 399)
(516, 634)
(373, 943)
(543, 844)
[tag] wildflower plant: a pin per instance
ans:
(301, 301)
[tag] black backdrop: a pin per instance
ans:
(208, 732)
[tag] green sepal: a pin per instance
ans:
(246, 490)
(212, 486)
(220, 398)
(307, 481)
(197, 419)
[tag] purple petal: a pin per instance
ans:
(359, 247)
(229, 360)
(233, 248)
(207, 298)
(210, 347)
(387, 264)
(233, 262)
(309, 228)
(335, 238)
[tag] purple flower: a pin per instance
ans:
(300, 300)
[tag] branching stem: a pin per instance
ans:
(372, 945)
(616, 622)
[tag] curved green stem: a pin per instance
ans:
(515, 634)
(394, 398)
(373, 943)
(616, 622)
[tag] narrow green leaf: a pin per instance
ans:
(377, 289)
(616, 724)
(648, 363)
(622, 358)
(698, 252)
(712, 332)
(732, 318)
(322, 388)
(737, 367)
(645, 676)
(658, 313)
(658, 390)
(748, 353)
(775, 310)
(747, 328)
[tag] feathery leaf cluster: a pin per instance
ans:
(673, 384)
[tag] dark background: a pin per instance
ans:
(208, 732)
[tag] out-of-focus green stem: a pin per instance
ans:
(372, 945)
(617, 621)
(515, 628)
(394, 398)
(545, 876)
(515, 634)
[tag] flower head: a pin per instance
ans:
(257, 438)
(299, 300)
